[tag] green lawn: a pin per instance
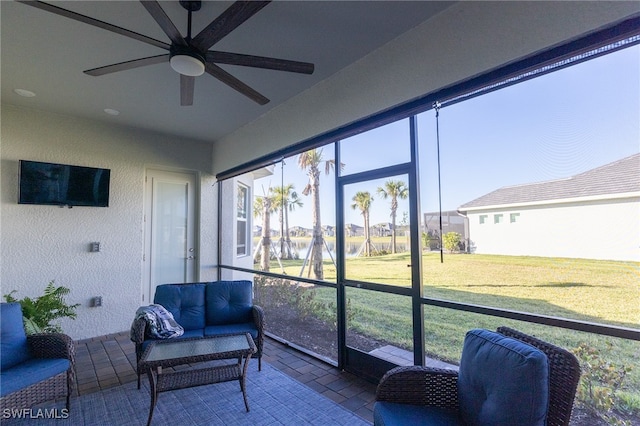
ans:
(591, 290)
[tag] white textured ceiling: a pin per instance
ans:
(46, 53)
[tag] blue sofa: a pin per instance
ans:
(34, 368)
(506, 378)
(206, 309)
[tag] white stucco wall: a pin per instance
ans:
(229, 228)
(43, 243)
(464, 40)
(595, 229)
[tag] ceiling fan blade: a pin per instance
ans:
(154, 9)
(230, 19)
(235, 84)
(187, 84)
(259, 62)
(95, 22)
(128, 65)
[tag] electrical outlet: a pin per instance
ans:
(97, 301)
(95, 247)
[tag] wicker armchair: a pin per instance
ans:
(46, 351)
(564, 375)
(438, 390)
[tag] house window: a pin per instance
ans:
(483, 219)
(513, 217)
(497, 218)
(241, 219)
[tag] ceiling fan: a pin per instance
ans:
(189, 56)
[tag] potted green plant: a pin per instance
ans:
(40, 313)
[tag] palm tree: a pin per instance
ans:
(394, 189)
(285, 199)
(362, 200)
(310, 161)
(263, 207)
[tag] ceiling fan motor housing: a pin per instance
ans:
(187, 60)
(191, 5)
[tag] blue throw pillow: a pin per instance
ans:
(502, 381)
(185, 302)
(229, 302)
(13, 340)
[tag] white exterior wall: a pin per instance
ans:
(608, 230)
(43, 243)
(230, 228)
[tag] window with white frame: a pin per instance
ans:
(242, 233)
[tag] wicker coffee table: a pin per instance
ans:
(169, 353)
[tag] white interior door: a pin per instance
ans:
(170, 240)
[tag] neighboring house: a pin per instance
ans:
(353, 230)
(329, 231)
(382, 229)
(592, 215)
(299, 231)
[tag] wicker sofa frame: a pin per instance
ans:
(139, 329)
(139, 333)
(46, 345)
(426, 386)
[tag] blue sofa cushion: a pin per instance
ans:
(185, 302)
(392, 414)
(13, 340)
(245, 327)
(229, 302)
(502, 381)
(31, 372)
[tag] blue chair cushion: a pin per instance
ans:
(502, 381)
(13, 340)
(392, 414)
(31, 372)
(229, 302)
(185, 302)
(244, 327)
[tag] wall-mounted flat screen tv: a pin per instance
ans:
(63, 185)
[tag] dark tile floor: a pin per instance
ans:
(108, 361)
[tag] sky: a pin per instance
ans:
(550, 127)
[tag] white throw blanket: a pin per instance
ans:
(160, 322)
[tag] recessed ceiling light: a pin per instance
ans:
(25, 93)
(111, 111)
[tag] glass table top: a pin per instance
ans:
(187, 348)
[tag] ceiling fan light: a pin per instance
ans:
(187, 65)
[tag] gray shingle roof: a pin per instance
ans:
(618, 177)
